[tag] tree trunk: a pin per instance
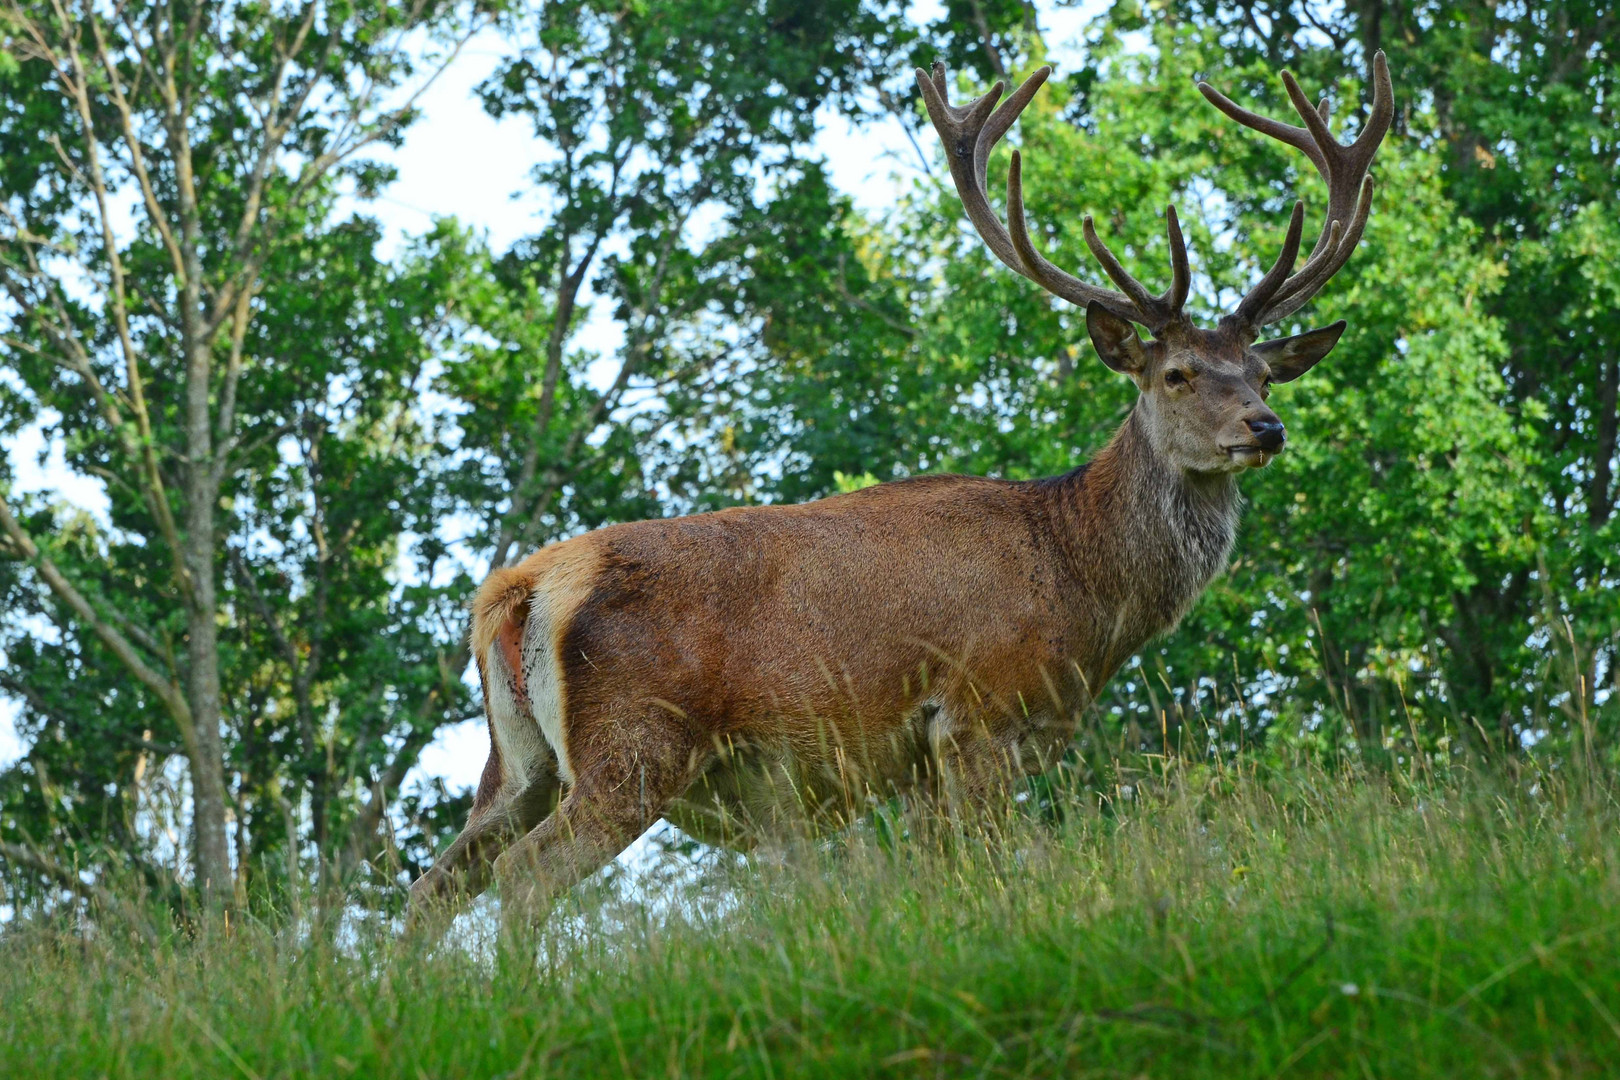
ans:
(1601, 503)
(212, 859)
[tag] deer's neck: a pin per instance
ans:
(1146, 538)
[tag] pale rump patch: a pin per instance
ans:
(523, 749)
(547, 693)
(519, 618)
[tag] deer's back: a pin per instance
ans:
(851, 609)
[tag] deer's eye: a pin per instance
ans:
(1174, 378)
(1265, 387)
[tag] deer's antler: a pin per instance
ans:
(969, 132)
(1343, 167)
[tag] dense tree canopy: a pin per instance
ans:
(311, 452)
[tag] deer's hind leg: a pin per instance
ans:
(627, 771)
(504, 808)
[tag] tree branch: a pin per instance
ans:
(157, 497)
(344, 146)
(635, 353)
(154, 211)
(109, 635)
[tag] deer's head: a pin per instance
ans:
(1204, 391)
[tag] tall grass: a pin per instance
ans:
(1220, 922)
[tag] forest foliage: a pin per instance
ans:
(311, 451)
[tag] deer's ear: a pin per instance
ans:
(1291, 357)
(1116, 341)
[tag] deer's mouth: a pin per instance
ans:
(1250, 457)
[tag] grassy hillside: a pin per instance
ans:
(1212, 923)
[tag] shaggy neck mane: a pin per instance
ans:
(1144, 537)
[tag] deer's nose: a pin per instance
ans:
(1268, 433)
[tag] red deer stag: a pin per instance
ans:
(739, 670)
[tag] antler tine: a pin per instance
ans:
(1318, 267)
(1040, 270)
(1383, 108)
(970, 132)
(1180, 272)
(960, 128)
(1157, 311)
(1298, 290)
(1154, 312)
(1116, 271)
(1255, 302)
(1298, 138)
(1342, 167)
